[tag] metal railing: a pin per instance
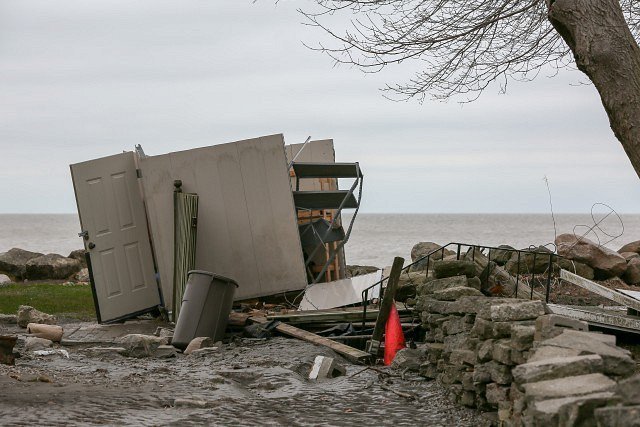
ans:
(439, 254)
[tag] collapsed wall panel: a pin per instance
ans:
(247, 228)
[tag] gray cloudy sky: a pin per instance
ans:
(80, 80)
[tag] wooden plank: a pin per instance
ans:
(319, 316)
(352, 354)
(603, 291)
(598, 318)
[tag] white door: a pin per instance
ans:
(112, 215)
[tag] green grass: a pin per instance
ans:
(72, 301)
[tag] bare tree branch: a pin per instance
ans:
(461, 46)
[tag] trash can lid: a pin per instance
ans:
(213, 276)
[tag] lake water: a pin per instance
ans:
(376, 238)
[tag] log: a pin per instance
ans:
(49, 332)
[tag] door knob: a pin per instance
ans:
(92, 245)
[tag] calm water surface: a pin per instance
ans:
(376, 238)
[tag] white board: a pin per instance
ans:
(340, 292)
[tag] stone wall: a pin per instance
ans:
(510, 359)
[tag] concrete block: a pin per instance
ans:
(618, 416)
(568, 386)
(451, 268)
(548, 352)
(497, 393)
(522, 337)
(325, 367)
(482, 328)
(485, 350)
(558, 367)
(462, 357)
(629, 389)
(547, 412)
(501, 352)
(616, 360)
(524, 310)
(452, 294)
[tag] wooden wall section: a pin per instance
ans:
(247, 228)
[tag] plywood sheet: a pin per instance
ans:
(247, 226)
(341, 292)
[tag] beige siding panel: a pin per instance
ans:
(246, 219)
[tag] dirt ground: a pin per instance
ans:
(246, 382)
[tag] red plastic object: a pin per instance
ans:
(393, 336)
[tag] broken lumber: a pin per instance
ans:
(352, 354)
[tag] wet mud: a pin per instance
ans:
(247, 382)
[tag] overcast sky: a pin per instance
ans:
(81, 80)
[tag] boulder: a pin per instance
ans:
(631, 247)
(606, 262)
(452, 294)
(51, 266)
(82, 276)
(524, 310)
(530, 263)
(4, 279)
(616, 361)
(502, 255)
(28, 314)
(422, 249)
(7, 342)
(79, 254)
(632, 275)
(14, 262)
(450, 268)
(139, 345)
(35, 343)
(360, 270)
(581, 269)
(629, 255)
(557, 367)
(407, 284)
(8, 319)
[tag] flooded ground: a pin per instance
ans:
(247, 382)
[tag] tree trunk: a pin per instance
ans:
(605, 50)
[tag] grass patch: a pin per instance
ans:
(72, 301)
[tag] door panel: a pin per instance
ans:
(112, 213)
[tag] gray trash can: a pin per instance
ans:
(205, 308)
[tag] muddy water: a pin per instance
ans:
(246, 383)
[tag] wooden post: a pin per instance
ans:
(385, 306)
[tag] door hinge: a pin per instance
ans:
(139, 173)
